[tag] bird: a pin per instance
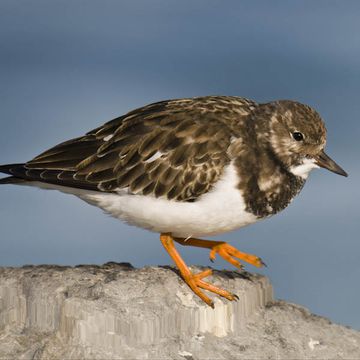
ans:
(189, 168)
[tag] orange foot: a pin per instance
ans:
(194, 281)
(226, 251)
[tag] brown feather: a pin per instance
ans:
(192, 135)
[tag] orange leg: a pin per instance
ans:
(194, 281)
(226, 251)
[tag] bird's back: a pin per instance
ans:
(175, 149)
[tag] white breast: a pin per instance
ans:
(221, 210)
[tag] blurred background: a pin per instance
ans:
(68, 66)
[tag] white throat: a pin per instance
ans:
(303, 170)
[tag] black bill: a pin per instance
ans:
(326, 162)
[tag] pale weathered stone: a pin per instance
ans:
(116, 311)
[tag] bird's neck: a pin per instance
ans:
(267, 186)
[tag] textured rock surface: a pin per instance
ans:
(115, 311)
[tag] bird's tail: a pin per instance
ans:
(10, 169)
(11, 180)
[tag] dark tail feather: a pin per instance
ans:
(11, 180)
(16, 170)
(12, 169)
(19, 173)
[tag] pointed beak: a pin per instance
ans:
(326, 162)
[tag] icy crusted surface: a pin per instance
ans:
(116, 311)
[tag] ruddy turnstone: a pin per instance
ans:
(189, 168)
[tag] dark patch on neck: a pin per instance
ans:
(277, 197)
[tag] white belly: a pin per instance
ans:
(219, 211)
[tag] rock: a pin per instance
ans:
(116, 311)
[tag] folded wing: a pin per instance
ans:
(176, 149)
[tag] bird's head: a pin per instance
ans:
(297, 136)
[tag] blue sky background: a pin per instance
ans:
(68, 66)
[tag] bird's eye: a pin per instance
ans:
(298, 136)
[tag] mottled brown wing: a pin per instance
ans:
(176, 149)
